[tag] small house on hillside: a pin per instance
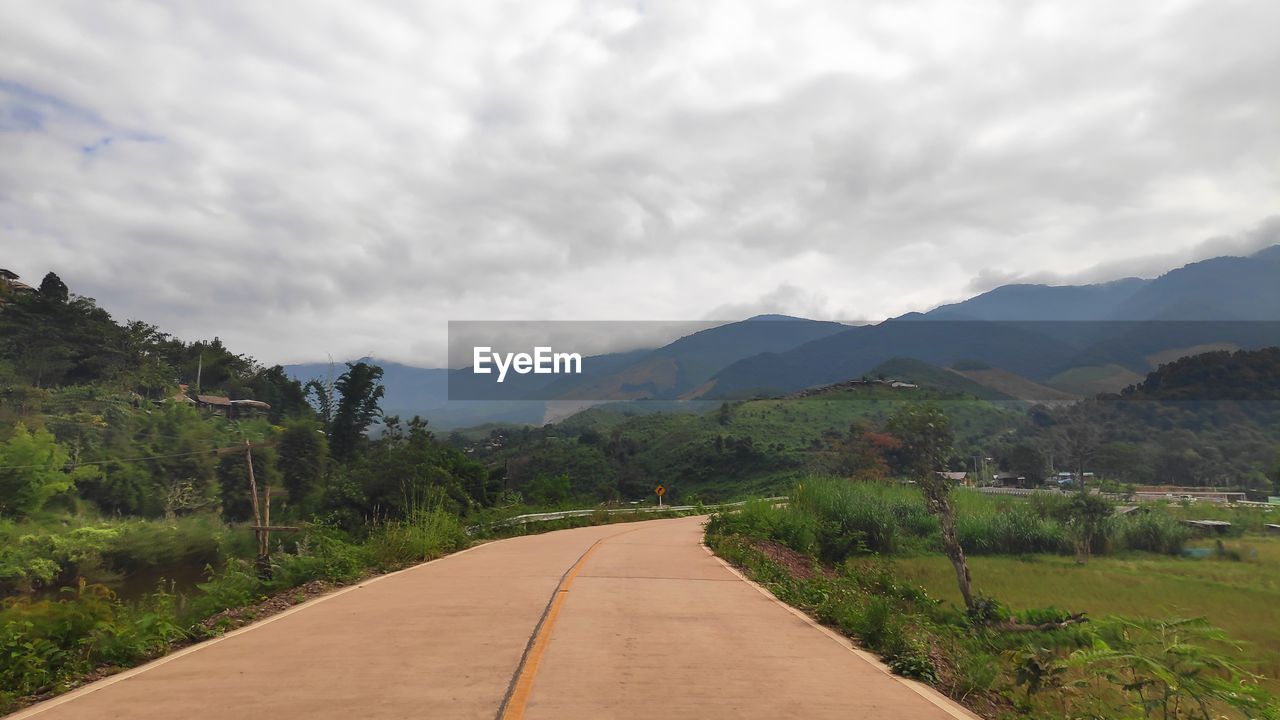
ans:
(10, 282)
(229, 408)
(960, 478)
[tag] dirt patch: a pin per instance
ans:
(797, 564)
(278, 603)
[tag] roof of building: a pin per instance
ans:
(256, 404)
(8, 274)
(214, 400)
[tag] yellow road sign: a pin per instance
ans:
(660, 490)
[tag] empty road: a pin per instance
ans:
(632, 620)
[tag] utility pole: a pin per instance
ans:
(199, 372)
(253, 497)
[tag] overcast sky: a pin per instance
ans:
(340, 178)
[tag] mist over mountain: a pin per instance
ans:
(1075, 339)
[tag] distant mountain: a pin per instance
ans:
(661, 374)
(1272, 253)
(1225, 288)
(1012, 385)
(859, 350)
(1045, 302)
(1078, 339)
(1035, 341)
(680, 367)
(407, 387)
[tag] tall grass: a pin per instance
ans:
(835, 518)
(1154, 532)
(426, 535)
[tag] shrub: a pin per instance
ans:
(1015, 531)
(1153, 532)
(235, 585)
(427, 535)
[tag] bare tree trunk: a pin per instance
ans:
(951, 545)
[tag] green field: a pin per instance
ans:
(1242, 597)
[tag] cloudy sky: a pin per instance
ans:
(320, 178)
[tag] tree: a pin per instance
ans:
(924, 432)
(53, 289)
(181, 495)
(286, 396)
(1026, 460)
(233, 481)
(1085, 517)
(1124, 461)
(861, 455)
(1078, 442)
(357, 407)
(33, 469)
(303, 451)
(548, 490)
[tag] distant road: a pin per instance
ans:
(633, 620)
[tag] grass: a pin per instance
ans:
(835, 518)
(1242, 598)
(1165, 633)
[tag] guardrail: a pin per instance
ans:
(1040, 491)
(562, 514)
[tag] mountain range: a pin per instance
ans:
(1033, 342)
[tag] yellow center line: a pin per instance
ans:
(523, 687)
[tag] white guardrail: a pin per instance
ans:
(562, 514)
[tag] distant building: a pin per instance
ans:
(955, 477)
(1214, 527)
(10, 282)
(229, 408)
(1001, 479)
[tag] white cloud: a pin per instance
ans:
(319, 178)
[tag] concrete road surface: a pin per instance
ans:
(633, 620)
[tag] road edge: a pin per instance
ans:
(42, 706)
(944, 703)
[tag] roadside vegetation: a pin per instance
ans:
(866, 557)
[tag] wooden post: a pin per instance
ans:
(253, 483)
(253, 496)
(266, 520)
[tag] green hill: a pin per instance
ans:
(922, 373)
(736, 449)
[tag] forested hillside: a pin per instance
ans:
(1211, 419)
(737, 450)
(121, 419)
